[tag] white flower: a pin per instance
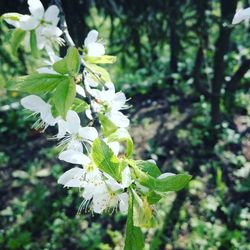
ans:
(241, 15)
(94, 48)
(38, 16)
(72, 134)
(40, 107)
(112, 195)
(110, 103)
(48, 36)
(44, 23)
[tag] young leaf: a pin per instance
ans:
(120, 135)
(73, 61)
(153, 197)
(63, 96)
(33, 43)
(16, 39)
(108, 127)
(105, 159)
(61, 66)
(134, 237)
(100, 60)
(144, 178)
(38, 83)
(79, 105)
(102, 73)
(172, 183)
(149, 168)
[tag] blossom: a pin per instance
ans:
(100, 190)
(73, 134)
(110, 103)
(43, 22)
(40, 107)
(93, 47)
(38, 16)
(241, 15)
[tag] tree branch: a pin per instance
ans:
(63, 24)
(234, 83)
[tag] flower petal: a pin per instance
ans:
(75, 145)
(126, 177)
(243, 14)
(74, 157)
(28, 22)
(72, 122)
(119, 119)
(88, 133)
(80, 90)
(115, 146)
(119, 101)
(34, 103)
(96, 49)
(91, 37)
(71, 177)
(123, 202)
(36, 9)
(51, 15)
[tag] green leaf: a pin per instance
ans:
(134, 237)
(33, 43)
(100, 60)
(153, 197)
(16, 39)
(61, 66)
(73, 61)
(101, 74)
(63, 96)
(105, 159)
(172, 183)
(108, 127)
(149, 168)
(38, 83)
(120, 135)
(144, 178)
(79, 105)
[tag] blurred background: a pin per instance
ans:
(185, 68)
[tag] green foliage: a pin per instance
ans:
(73, 61)
(61, 66)
(39, 83)
(33, 43)
(16, 40)
(79, 105)
(64, 96)
(134, 238)
(108, 127)
(105, 159)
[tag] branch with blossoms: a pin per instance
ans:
(100, 146)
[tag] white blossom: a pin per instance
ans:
(94, 48)
(41, 108)
(241, 15)
(73, 134)
(110, 103)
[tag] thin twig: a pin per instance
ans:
(63, 25)
(70, 43)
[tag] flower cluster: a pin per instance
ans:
(43, 23)
(100, 190)
(76, 94)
